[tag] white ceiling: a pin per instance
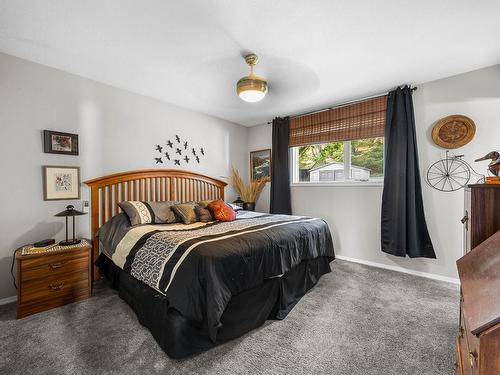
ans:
(313, 53)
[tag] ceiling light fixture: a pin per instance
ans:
(251, 88)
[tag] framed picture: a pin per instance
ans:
(60, 143)
(61, 183)
(260, 164)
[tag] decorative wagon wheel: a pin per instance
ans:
(448, 174)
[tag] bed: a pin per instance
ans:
(195, 286)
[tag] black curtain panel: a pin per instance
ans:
(404, 230)
(280, 173)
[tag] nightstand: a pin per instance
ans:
(53, 277)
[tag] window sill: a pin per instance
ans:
(338, 184)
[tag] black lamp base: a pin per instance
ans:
(69, 242)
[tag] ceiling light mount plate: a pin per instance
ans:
(252, 59)
(251, 88)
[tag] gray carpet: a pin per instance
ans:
(357, 320)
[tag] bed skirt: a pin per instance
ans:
(180, 337)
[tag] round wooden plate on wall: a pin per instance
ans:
(453, 131)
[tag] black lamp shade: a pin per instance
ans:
(70, 211)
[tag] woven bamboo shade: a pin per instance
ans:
(365, 119)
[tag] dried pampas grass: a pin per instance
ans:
(248, 193)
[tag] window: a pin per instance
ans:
(360, 160)
(339, 145)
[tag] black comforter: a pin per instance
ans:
(199, 269)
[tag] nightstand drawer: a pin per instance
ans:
(65, 285)
(40, 261)
(54, 265)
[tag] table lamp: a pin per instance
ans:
(70, 211)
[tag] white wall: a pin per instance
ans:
(117, 131)
(353, 213)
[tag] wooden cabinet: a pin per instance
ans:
(482, 214)
(51, 279)
(478, 341)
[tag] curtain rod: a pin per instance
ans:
(343, 104)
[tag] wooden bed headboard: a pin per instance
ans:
(144, 185)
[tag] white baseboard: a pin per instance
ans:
(7, 300)
(401, 269)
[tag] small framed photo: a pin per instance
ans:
(61, 183)
(260, 164)
(60, 143)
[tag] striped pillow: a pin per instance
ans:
(141, 212)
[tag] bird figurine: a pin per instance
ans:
(494, 166)
(185, 145)
(197, 159)
(159, 148)
(177, 162)
(158, 160)
(178, 150)
(202, 151)
(169, 143)
(177, 139)
(194, 151)
(167, 155)
(186, 159)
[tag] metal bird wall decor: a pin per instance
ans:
(182, 150)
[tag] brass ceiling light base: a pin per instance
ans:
(252, 59)
(251, 88)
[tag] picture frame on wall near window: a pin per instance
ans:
(260, 164)
(61, 183)
(60, 143)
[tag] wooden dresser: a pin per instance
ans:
(51, 279)
(478, 341)
(482, 213)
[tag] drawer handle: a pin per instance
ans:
(472, 358)
(465, 220)
(56, 265)
(56, 286)
(461, 332)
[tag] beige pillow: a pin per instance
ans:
(205, 203)
(186, 212)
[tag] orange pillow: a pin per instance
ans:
(221, 211)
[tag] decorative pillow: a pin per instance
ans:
(186, 212)
(203, 214)
(221, 211)
(141, 212)
(205, 203)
